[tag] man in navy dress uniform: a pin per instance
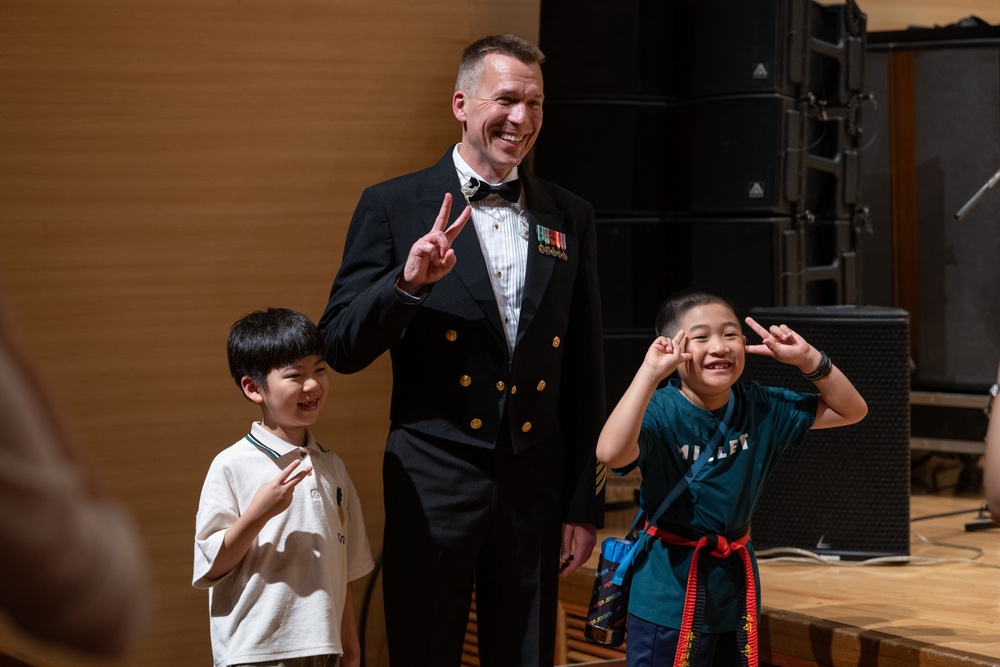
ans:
(481, 281)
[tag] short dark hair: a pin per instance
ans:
(270, 338)
(470, 71)
(676, 306)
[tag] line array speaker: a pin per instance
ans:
(777, 261)
(702, 48)
(737, 155)
(609, 50)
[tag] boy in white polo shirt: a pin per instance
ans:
(279, 532)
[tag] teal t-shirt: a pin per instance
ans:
(720, 500)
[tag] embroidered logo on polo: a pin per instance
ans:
(551, 242)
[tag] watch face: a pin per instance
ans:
(995, 390)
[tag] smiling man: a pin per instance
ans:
(490, 475)
(498, 100)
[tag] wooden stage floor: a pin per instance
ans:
(941, 609)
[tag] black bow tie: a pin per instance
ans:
(511, 190)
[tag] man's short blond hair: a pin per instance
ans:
(470, 71)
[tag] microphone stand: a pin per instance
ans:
(976, 197)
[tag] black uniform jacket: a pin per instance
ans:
(452, 373)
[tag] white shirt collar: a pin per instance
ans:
(466, 173)
(279, 446)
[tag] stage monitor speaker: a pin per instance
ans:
(842, 492)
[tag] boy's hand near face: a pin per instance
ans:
(664, 356)
(839, 404)
(274, 497)
(270, 500)
(783, 344)
(618, 444)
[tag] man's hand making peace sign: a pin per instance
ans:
(431, 257)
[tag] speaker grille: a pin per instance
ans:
(843, 492)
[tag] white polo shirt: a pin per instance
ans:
(286, 597)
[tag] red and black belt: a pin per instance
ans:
(715, 546)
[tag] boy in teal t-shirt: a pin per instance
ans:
(706, 613)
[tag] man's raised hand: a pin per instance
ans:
(432, 257)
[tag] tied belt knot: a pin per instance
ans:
(714, 546)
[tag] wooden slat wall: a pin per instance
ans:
(901, 14)
(166, 167)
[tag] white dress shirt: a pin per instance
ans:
(502, 229)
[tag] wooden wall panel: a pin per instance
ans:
(166, 167)
(901, 14)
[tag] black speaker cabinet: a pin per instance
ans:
(740, 154)
(787, 262)
(788, 47)
(753, 46)
(601, 49)
(843, 492)
(620, 155)
(724, 155)
(641, 261)
(771, 248)
(701, 48)
(705, 107)
(721, 156)
(623, 353)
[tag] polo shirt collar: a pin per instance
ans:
(275, 447)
